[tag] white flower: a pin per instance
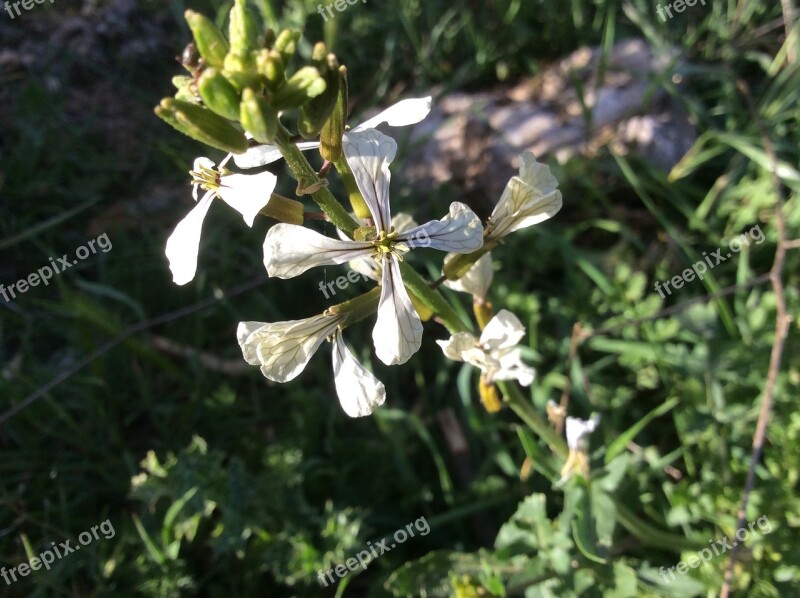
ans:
(478, 278)
(247, 194)
(403, 113)
(283, 349)
(290, 250)
(496, 352)
(528, 199)
(579, 429)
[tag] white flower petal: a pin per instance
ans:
(512, 368)
(478, 278)
(284, 348)
(368, 267)
(459, 232)
(359, 391)
(503, 330)
(528, 199)
(398, 330)
(261, 155)
(577, 429)
(247, 193)
(368, 155)
(403, 113)
(290, 250)
(243, 332)
(483, 360)
(457, 344)
(184, 242)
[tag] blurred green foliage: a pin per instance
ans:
(221, 485)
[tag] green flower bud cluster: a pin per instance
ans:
(243, 83)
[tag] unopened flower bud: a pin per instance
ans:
(257, 117)
(201, 124)
(210, 42)
(219, 94)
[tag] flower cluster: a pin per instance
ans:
(238, 93)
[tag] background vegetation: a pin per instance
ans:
(245, 488)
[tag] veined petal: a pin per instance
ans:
(528, 199)
(368, 155)
(478, 278)
(247, 193)
(290, 250)
(359, 391)
(503, 330)
(460, 231)
(455, 346)
(403, 113)
(284, 348)
(184, 242)
(398, 330)
(261, 155)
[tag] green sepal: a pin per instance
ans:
(331, 134)
(365, 233)
(201, 124)
(211, 44)
(304, 85)
(258, 117)
(219, 94)
(242, 29)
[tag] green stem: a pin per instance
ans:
(353, 192)
(307, 178)
(651, 535)
(359, 307)
(461, 264)
(432, 299)
(523, 408)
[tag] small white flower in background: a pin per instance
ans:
(578, 431)
(402, 114)
(528, 199)
(477, 280)
(247, 194)
(290, 250)
(496, 352)
(283, 349)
